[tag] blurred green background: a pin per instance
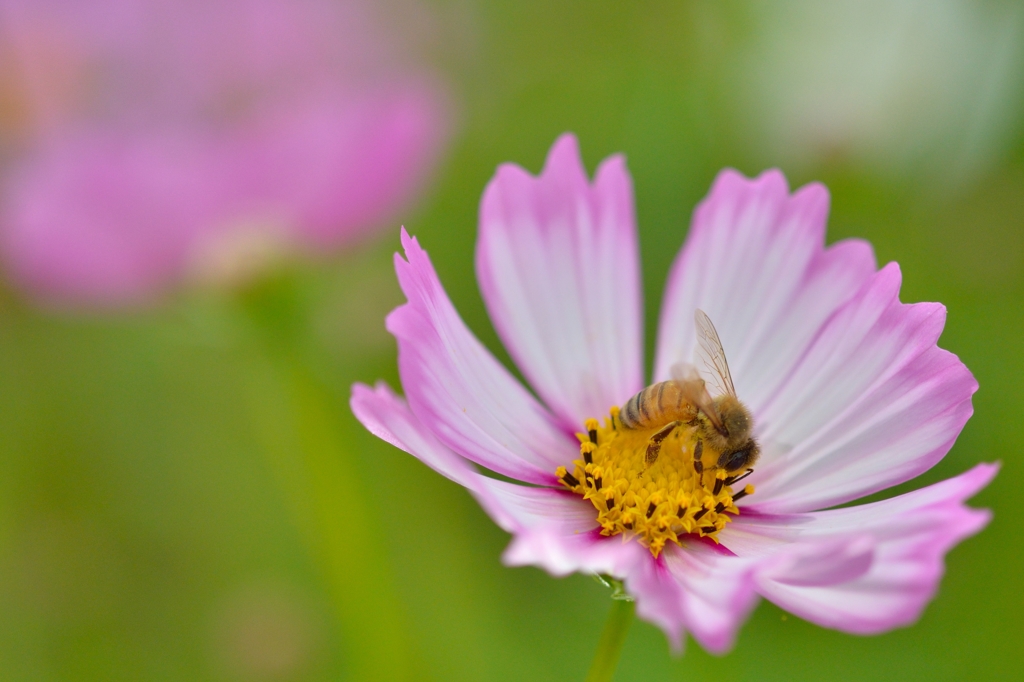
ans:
(184, 494)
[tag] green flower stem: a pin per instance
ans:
(307, 434)
(304, 439)
(609, 648)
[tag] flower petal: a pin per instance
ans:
(698, 589)
(849, 392)
(558, 267)
(456, 387)
(513, 507)
(524, 508)
(660, 597)
(909, 536)
(872, 402)
(755, 262)
(160, 171)
(107, 219)
(717, 592)
(387, 416)
(561, 553)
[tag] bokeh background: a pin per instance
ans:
(185, 496)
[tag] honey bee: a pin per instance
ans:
(721, 423)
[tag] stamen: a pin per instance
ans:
(591, 427)
(660, 501)
(587, 450)
(749, 490)
(569, 479)
(719, 482)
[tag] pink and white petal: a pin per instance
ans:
(561, 551)
(717, 592)
(460, 391)
(558, 266)
(513, 507)
(387, 416)
(660, 597)
(872, 403)
(558, 512)
(755, 262)
(699, 589)
(909, 537)
(894, 592)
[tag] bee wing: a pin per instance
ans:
(694, 390)
(711, 355)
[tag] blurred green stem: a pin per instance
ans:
(305, 433)
(609, 648)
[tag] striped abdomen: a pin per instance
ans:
(655, 406)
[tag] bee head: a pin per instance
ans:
(741, 458)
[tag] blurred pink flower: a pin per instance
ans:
(848, 390)
(151, 141)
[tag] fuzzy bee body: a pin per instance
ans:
(657, 405)
(723, 423)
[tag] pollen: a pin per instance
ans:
(676, 497)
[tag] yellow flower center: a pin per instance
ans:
(677, 495)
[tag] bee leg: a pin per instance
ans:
(698, 463)
(654, 446)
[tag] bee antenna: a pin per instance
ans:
(736, 479)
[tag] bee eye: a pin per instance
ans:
(737, 459)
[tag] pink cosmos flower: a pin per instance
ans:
(848, 391)
(153, 141)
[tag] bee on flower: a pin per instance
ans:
(844, 393)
